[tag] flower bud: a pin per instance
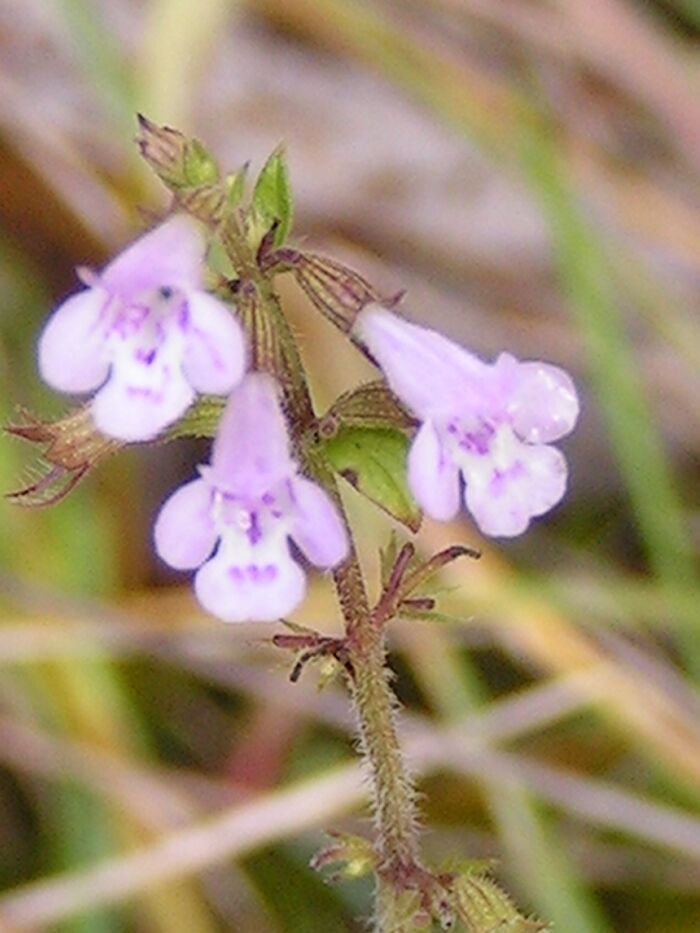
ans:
(178, 161)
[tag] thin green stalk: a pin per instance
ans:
(585, 275)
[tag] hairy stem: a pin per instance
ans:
(373, 699)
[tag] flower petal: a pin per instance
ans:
(317, 527)
(430, 373)
(250, 455)
(432, 476)
(184, 531)
(543, 405)
(503, 500)
(133, 410)
(72, 354)
(237, 586)
(215, 355)
(169, 255)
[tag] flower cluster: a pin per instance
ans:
(491, 423)
(146, 337)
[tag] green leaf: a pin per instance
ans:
(199, 165)
(372, 405)
(483, 907)
(272, 197)
(374, 462)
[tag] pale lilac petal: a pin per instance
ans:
(432, 476)
(169, 255)
(428, 372)
(250, 455)
(184, 531)
(237, 588)
(137, 411)
(215, 355)
(504, 500)
(542, 402)
(318, 528)
(72, 345)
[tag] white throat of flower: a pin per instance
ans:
(253, 533)
(146, 340)
(483, 451)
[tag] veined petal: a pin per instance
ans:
(432, 475)
(317, 527)
(72, 354)
(504, 499)
(133, 410)
(215, 355)
(184, 531)
(250, 455)
(430, 373)
(169, 255)
(542, 401)
(258, 585)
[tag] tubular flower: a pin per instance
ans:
(491, 423)
(250, 501)
(146, 335)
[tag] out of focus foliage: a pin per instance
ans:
(528, 170)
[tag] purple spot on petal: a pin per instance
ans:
(269, 573)
(254, 533)
(478, 441)
(236, 574)
(145, 356)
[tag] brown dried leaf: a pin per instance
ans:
(72, 447)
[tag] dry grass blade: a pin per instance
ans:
(235, 833)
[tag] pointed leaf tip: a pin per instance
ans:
(179, 161)
(272, 196)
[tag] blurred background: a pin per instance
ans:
(528, 170)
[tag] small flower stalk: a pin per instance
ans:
(444, 428)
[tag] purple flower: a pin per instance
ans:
(490, 422)
(146, 335)
(251, 500)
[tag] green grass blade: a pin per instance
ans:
(583, 268)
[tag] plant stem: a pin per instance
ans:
(373, 699)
